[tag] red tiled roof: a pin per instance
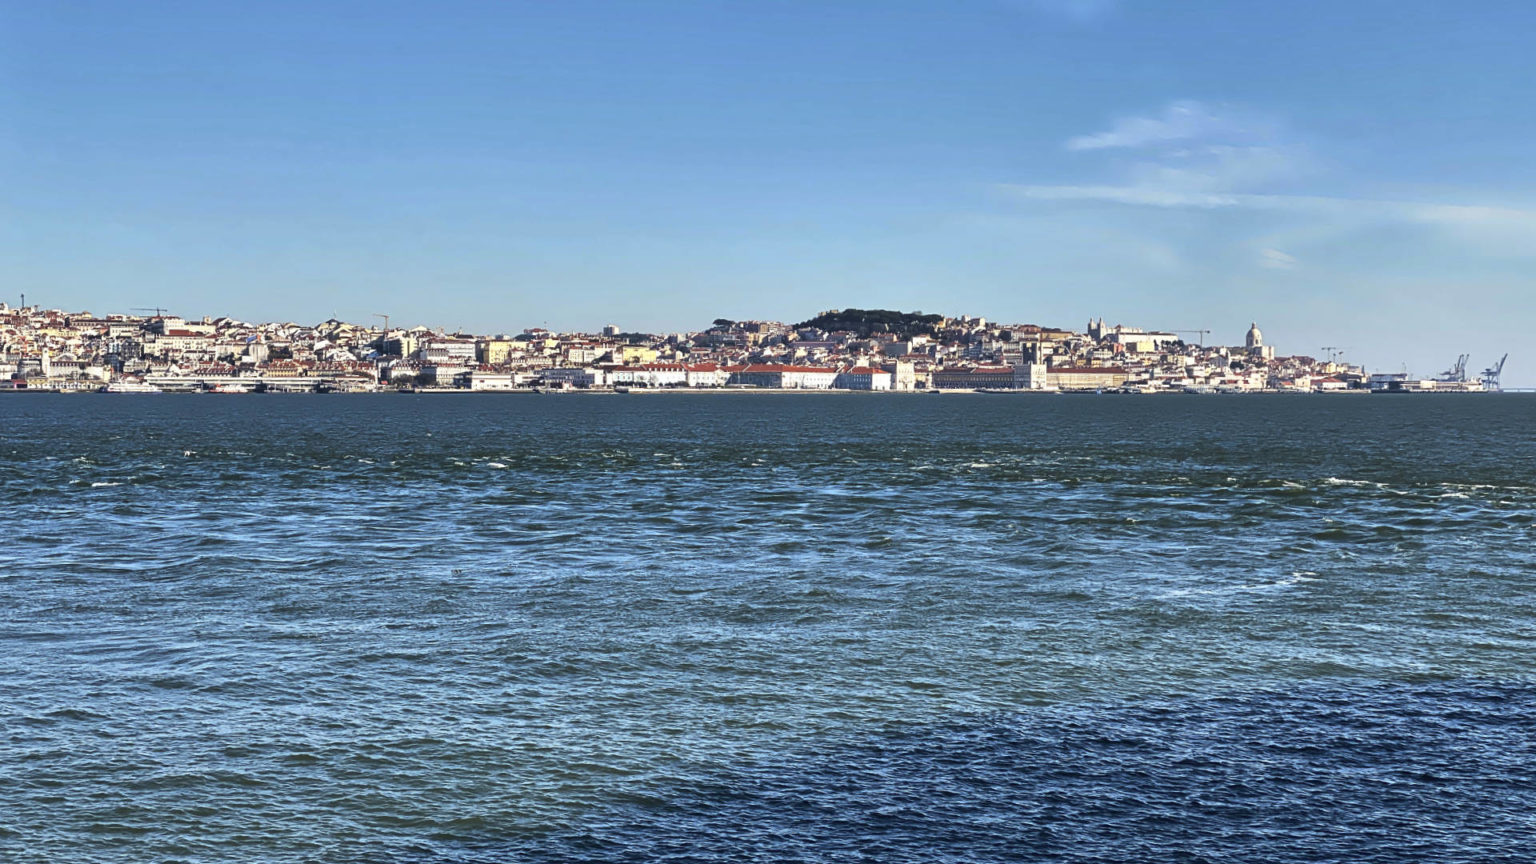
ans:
(779, 367)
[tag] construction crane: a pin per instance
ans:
(386, 320)
(159, 312)
(1334, 351)
(1492, 373)
(1202, 333)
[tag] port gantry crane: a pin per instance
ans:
(1492, 373)
(1458, 372)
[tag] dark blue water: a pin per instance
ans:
(746, 627)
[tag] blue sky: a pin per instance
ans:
(1346, 173)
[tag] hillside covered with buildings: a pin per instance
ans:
(53, 349)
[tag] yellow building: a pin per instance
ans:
(633, 354)
(1085, 377)
(493, 352)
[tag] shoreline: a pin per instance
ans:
(749, 391)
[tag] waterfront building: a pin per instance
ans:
(973, 378)
(784, 377)
(1086, 377)
(1030, 376)
(704, 375)
(583, 377)
(486, 379)
(863, 378)
(647, 375)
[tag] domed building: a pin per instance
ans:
(1255, 344)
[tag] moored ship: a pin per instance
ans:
(130, 386)
(1453, 380)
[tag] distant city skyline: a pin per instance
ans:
(1200, 335)
(1353, 175)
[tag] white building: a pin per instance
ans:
(863, 378)
(442, 374)
(1255, 343)
(572, 376)
(783, 377)
(648, 375)
(461, 351)
(1029, 376)
(705, 375)
(483, 380)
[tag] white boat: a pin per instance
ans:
(131, 387)
(230, 388)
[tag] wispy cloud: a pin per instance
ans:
(1427, 213)
(1274, 259)
(1194, 149)
(1186, 120)
(1191, 155)
(1079, 10)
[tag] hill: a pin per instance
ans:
(867, 322)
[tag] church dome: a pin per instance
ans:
(1255, 336)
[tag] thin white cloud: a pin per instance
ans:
(1185, 120)
(1274, 259)
(1078, 10)
(1191, 155)
(1509, 223)
(1193, 149)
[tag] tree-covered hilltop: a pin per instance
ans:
(866, 322)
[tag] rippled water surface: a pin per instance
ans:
(748, 627)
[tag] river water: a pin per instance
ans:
(749, 627)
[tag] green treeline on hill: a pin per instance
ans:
(866, 322)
